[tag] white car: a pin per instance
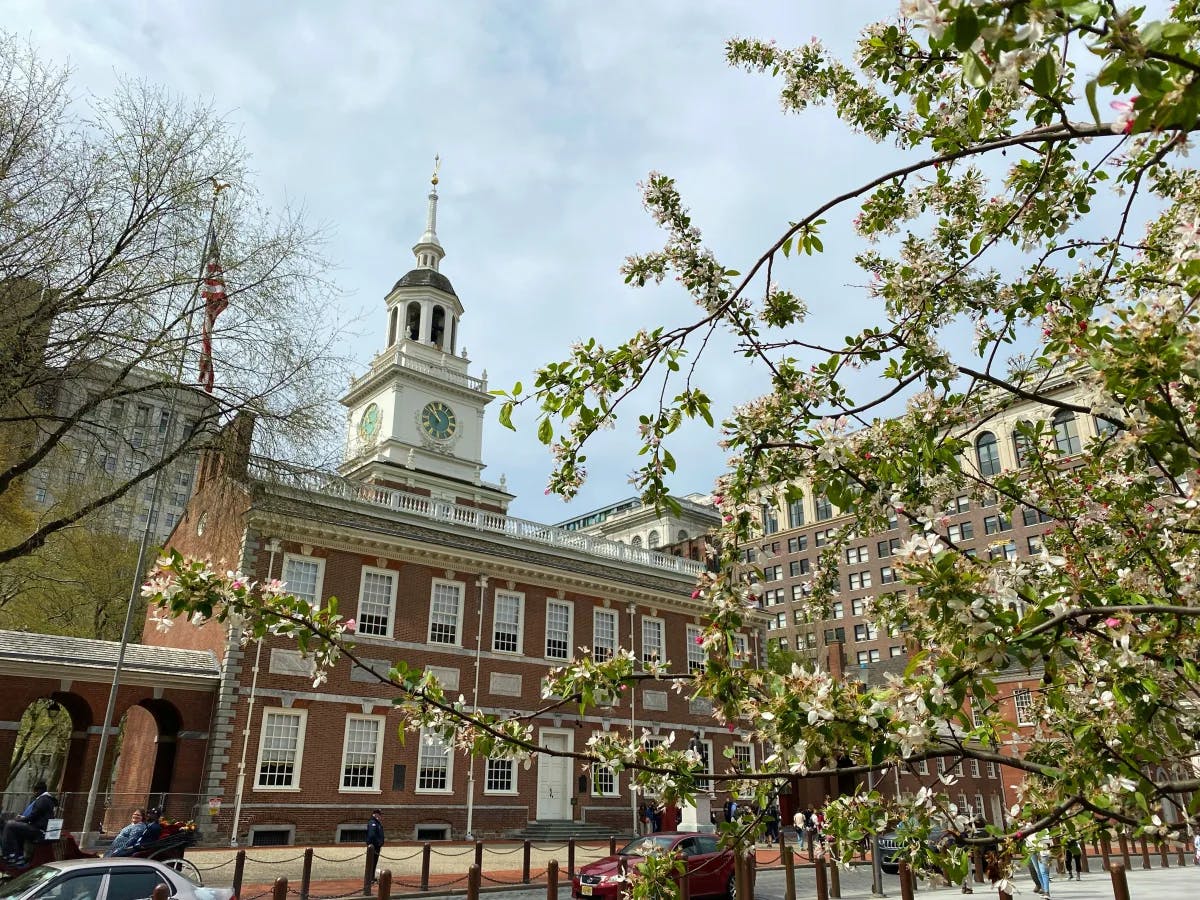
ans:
(119, 878)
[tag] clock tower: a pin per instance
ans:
(416, 416)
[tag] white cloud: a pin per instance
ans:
(546, 116)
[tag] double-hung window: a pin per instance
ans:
(500, 777)
(281, 749)
(376, 601)
(604, 781)
(303, 576)
(558, 629)
(604, 634)
(433, 763)
(445, 612)
(361, 752)
(697, 656)
(1023, 701)
(506, 622)
(653, 640)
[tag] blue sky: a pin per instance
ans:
(546, 115)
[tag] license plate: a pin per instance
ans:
(586, 890)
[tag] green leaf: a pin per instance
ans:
(506, 416)
(975, 72)
(1090, 90)
(545, 431)
(1044, 74)
(966, 28)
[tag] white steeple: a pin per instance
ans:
(428, 250)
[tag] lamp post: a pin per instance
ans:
(273, 547)
(481, 583)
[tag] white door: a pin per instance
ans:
(554, 773)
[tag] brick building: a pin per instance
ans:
(420, 551)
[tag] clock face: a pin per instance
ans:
(368, 424)
(438, 421)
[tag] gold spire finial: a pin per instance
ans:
(437, 164)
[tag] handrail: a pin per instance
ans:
(330, 484)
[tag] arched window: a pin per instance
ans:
(635, 541)
(1066, 432)
(438, 326)
(412, 321)
(987, 454)
(653, 542)
(1021, 444)
(682, 536)
(393, 320)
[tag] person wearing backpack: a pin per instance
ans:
(30, 825)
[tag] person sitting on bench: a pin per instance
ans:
(30, 825)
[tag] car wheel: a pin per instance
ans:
(731, 888)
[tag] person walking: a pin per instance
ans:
(375, 839)
(772, 818)
(30, 825)
(1073, 855)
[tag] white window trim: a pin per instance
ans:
(520, 598)
(509, 793)
(599, 612)
(458, 631)
(377, 788)
(616, 780)
(662, 633)
(692, 632)
(319, 587)
(449, 788)
(393, 576)
(570, 605)
(1018, 712)
(748, 746)
(262, 740)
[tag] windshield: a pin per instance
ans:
(644, 846)
(24, 882)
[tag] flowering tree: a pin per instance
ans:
(1021, 207)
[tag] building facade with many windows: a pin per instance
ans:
(419, 550)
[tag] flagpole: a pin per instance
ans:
(151, 517)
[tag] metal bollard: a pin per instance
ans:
(623, 874)
(552, 880)
(612, 845)
(479, 854)
(426, 853)
(1181, 859)
(385, 885)
(571, 858)
(1124, 842)
(306, 874)
(741, 875)
(822, 883)
(525, 864)
(1162, 854)
(279, 891)
(1106, 852)
(1083, 856)
(1119, 881)
(835, 878)
(789, 873)
(239, 872)
(473, 883)
(977, 859)
(906, 882)
(160, 893)
(1145, 852)
(685, 887)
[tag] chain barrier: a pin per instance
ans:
(341, 859)
(494, 852)
(462, 853)
(274, 862)
(412, 855)
(227, 862)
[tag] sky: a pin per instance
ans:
(546, 116)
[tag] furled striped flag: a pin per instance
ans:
(215, 303)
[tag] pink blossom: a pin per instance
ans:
(1112, 622)
(696, 594)
(699, 639)
(351, 625)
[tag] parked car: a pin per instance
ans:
(890, 844)
(709, 867)
(119, 878)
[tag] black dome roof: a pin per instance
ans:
(425, 278)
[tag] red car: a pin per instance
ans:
(709, 868)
